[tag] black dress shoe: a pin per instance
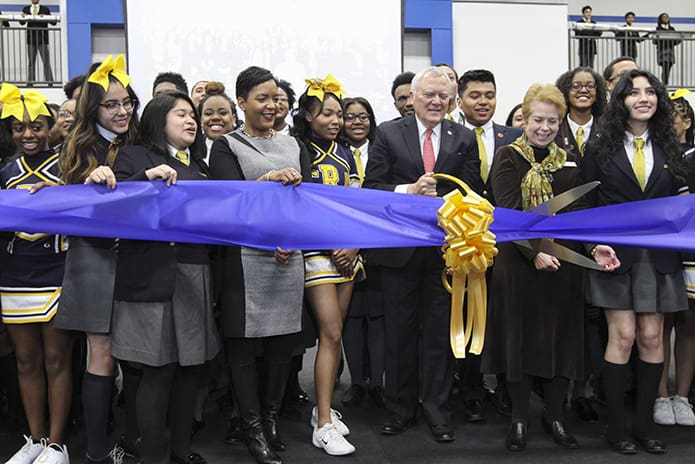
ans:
(395, 426)
(377, 396)
(517, 436)
(442, 433)
(235, 434)
(502, 401)
(583, 409)
(354, 396)
(651, 445)
(193, 458)
(624, 446)
(560, 435)
(473, 411)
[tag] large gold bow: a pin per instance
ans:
(679, 93)
(110, 66)
(319, 87)
(14, 103)
(469, 251)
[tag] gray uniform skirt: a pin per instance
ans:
(179, 331)
(86, 302)
(641, 289)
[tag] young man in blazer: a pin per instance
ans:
(419, 364)
(37, 40)
(477, 101)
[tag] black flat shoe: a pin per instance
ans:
(473, 411)
(559, 432)
(623, 446)
(583, 409)
(442, 433)
(193, 458)
(517, 436)
(651, 445)
(395, 426)
(354, 396)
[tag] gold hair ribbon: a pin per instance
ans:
(469, 251)
(676, 94)
(110, 66)
(14, 103)
(319, 87)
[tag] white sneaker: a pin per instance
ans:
(53, 454)
(28, 452)
(328, 438)
(683, 411)
(335, 419)
(663, 412)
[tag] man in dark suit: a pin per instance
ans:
(587, 43)
(477, 102)
(37, 40)
(418, 358)
(628, 39)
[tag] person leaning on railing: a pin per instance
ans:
(37, 40)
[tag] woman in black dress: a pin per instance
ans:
(162, 315)
(636, 157)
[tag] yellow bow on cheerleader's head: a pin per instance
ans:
(679, 93)
(14, 103)
(469, 251)
(116, 68)
(319, 87)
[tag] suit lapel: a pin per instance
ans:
(624, 165)
(412, 141)
(446, 142)
(659, 169)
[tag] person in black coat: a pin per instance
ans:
(665, 47)
(587, 42)
(627, 39)
(37, 40)
(403, 158)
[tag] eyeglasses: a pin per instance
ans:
(66, 114)
(577, 86)
(364, 117)
(112, 106)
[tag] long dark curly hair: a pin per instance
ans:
(565, 81)
(612, 126)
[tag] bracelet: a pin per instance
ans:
(267, 176)
(593, 251)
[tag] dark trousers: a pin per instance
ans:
(42, 49)
(418, 357)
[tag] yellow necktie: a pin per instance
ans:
(183, 157)
(449, 117)
(482, 153)
(36, 10)
(359, 164)
(580, 140)
(639, 164)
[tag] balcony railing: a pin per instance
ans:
(650, 48)
(30, 54)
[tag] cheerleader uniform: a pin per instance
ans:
(32, 270)
(333, 164)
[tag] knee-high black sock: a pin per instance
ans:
(96, 403)
(648, 378)
(555, 392)
(520, 393)
(131, 382)
(614, 376)
(152, 404)
(183, 405)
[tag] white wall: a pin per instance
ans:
(520, 43)
(295, 40)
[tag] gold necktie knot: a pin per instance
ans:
(183, 157)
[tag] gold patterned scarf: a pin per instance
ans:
(535, 186)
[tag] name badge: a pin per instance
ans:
(570, 164)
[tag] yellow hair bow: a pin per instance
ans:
(14, 102)
(675, 95)
(110, 66)
(319, 87)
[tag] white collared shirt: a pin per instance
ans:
(629, 144)
(488, 140)
(364, 153)
(173, 151)
(436, 137)
(107, 134)
(587, 128)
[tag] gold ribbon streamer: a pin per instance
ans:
(469, 251)
(14, 103)
(110, 66)
(319, 87)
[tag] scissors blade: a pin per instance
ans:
(555, 204)
(547, 245)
